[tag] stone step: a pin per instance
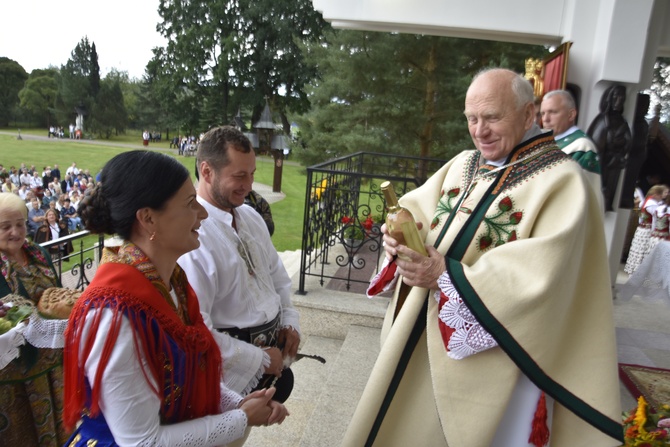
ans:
(340, 395)
(291, 261)
(325, 395)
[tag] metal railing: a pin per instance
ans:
(344, 210)
(82, 263)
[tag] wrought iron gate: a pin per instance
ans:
(344, 210)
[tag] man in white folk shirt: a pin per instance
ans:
(241, 283)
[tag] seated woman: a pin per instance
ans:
(31, 386)
(47, 198)
(141, 366)
(53, 228)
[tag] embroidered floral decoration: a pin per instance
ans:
(501, 227)
(445, 205)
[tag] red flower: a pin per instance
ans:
(368, 223)
(505, 204)
(346, 219)
(485, 242)
(512, 237)
(453, 192)
(515, 218)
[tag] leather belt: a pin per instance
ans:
(261, 336)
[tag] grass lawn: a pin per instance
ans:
(287, 213)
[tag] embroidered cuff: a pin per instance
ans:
(10, 342)
(384, 280)
(468, 336)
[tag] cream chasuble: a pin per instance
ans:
(525, 250)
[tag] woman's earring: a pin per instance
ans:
(153, 236)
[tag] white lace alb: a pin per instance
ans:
(469, 336)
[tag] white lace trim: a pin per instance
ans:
(230, 400)
(221, 430)
(469, 337)
(10, 342)
(45, 333)
(259, 374)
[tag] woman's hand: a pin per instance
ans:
(257, 406)
(262, 410)
(279, 412)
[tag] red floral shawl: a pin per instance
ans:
(126, 290)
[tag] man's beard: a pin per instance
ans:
(220, 200)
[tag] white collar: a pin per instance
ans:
(216, 212)
(566, 133)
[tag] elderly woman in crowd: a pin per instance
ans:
(8, 186)
(53, 228)
(141, 366)
(31, 389)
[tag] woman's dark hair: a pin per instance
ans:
(130, 181)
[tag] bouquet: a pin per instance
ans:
(645, 428)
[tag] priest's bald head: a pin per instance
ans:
(499, 109)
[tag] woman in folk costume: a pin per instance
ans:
(503, 335)
(141, 367)
(639, 248)
(660, 231)
(31, 385)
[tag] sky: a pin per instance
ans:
(40, 33)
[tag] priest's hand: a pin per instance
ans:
(391, 244)
(420, 271)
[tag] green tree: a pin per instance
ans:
(12, 78)
(39, 94)
(396, 93)
(131, 90)
(236, 53)
(269, 59)
(167, 101)
(80, 81)
(109, 113)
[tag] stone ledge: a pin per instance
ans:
(328, 313)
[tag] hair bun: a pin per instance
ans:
(94, 212)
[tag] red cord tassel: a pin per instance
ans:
(539, 434)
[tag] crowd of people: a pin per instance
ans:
(186, 144)
(48, 189)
